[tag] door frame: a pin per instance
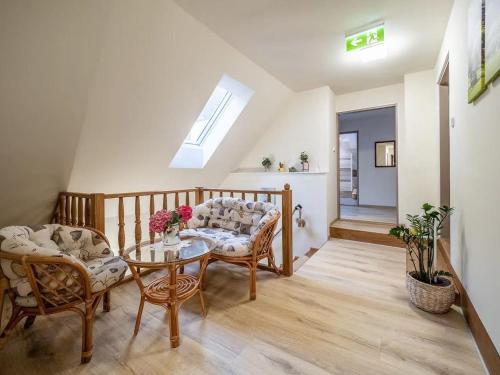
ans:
(396, 115)
(357, 160)
(443, 81)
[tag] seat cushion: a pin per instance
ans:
(233, 214)
(78, 245)
(227, 242)
(29, 301)
(81, 243)
(105, 272)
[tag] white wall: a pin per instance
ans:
(419, 169)
(377, 186)
(48, 59)
(308, 189)
(475, 179)
(97, 96)
(157, 68)
(331, 177)
(306, 123)
(301, 125)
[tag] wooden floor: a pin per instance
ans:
(369, 213)
(344, 312)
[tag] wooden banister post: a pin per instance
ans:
(198, 198)
(286, 221)
(98, 214)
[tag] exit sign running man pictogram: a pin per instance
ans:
(364, 39)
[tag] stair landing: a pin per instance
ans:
(364, 231)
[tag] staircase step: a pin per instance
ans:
(364, 231)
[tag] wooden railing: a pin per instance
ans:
(80, 209)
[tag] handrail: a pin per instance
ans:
(145, 193)
(85, 209)
(272, 192)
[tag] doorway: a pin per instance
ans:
(367, 165)
(348, 168)
(444, 148)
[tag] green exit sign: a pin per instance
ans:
(365, 39)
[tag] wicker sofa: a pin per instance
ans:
(243, 232)
(53, 268)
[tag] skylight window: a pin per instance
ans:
(208, 116)
(220, 112)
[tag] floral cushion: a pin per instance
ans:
(234, 223)
(78, 245)
(81, 243)
(105, 272)
(233, 214)
(229, 243)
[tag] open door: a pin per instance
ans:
(348, 168)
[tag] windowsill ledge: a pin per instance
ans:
(260, 171)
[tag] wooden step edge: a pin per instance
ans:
(365, 222)
(365, 236)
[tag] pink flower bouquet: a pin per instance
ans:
(163, 220)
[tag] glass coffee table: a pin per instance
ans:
(172, 290)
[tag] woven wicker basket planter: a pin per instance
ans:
(431, 298)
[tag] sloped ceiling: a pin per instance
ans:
(157, 69)
(301, 42)
(48, 57)
(98, 96)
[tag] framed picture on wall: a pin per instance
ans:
(475, 50)
(492, 40)
(385, 154)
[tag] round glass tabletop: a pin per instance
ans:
(156, 254)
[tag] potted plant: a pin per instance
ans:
(304, 160)
(266, 163)
(427, 288)
(167, 223)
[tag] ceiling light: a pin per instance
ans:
(373, 53)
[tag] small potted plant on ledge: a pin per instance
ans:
(266, 163)
(168, 224)
(304, 160)
(427, 287)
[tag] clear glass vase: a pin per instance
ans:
(170, 237)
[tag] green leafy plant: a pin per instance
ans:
(266, 163)
(419, 238)
(304, 157)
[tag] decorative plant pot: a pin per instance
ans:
(436, 299)
(171, 239)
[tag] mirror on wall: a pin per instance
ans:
(385, 154)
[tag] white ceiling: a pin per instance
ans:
(301, 42)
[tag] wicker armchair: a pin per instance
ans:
(53, 268)
(243, 232)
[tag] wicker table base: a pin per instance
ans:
(160, 292)
(172, 290)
